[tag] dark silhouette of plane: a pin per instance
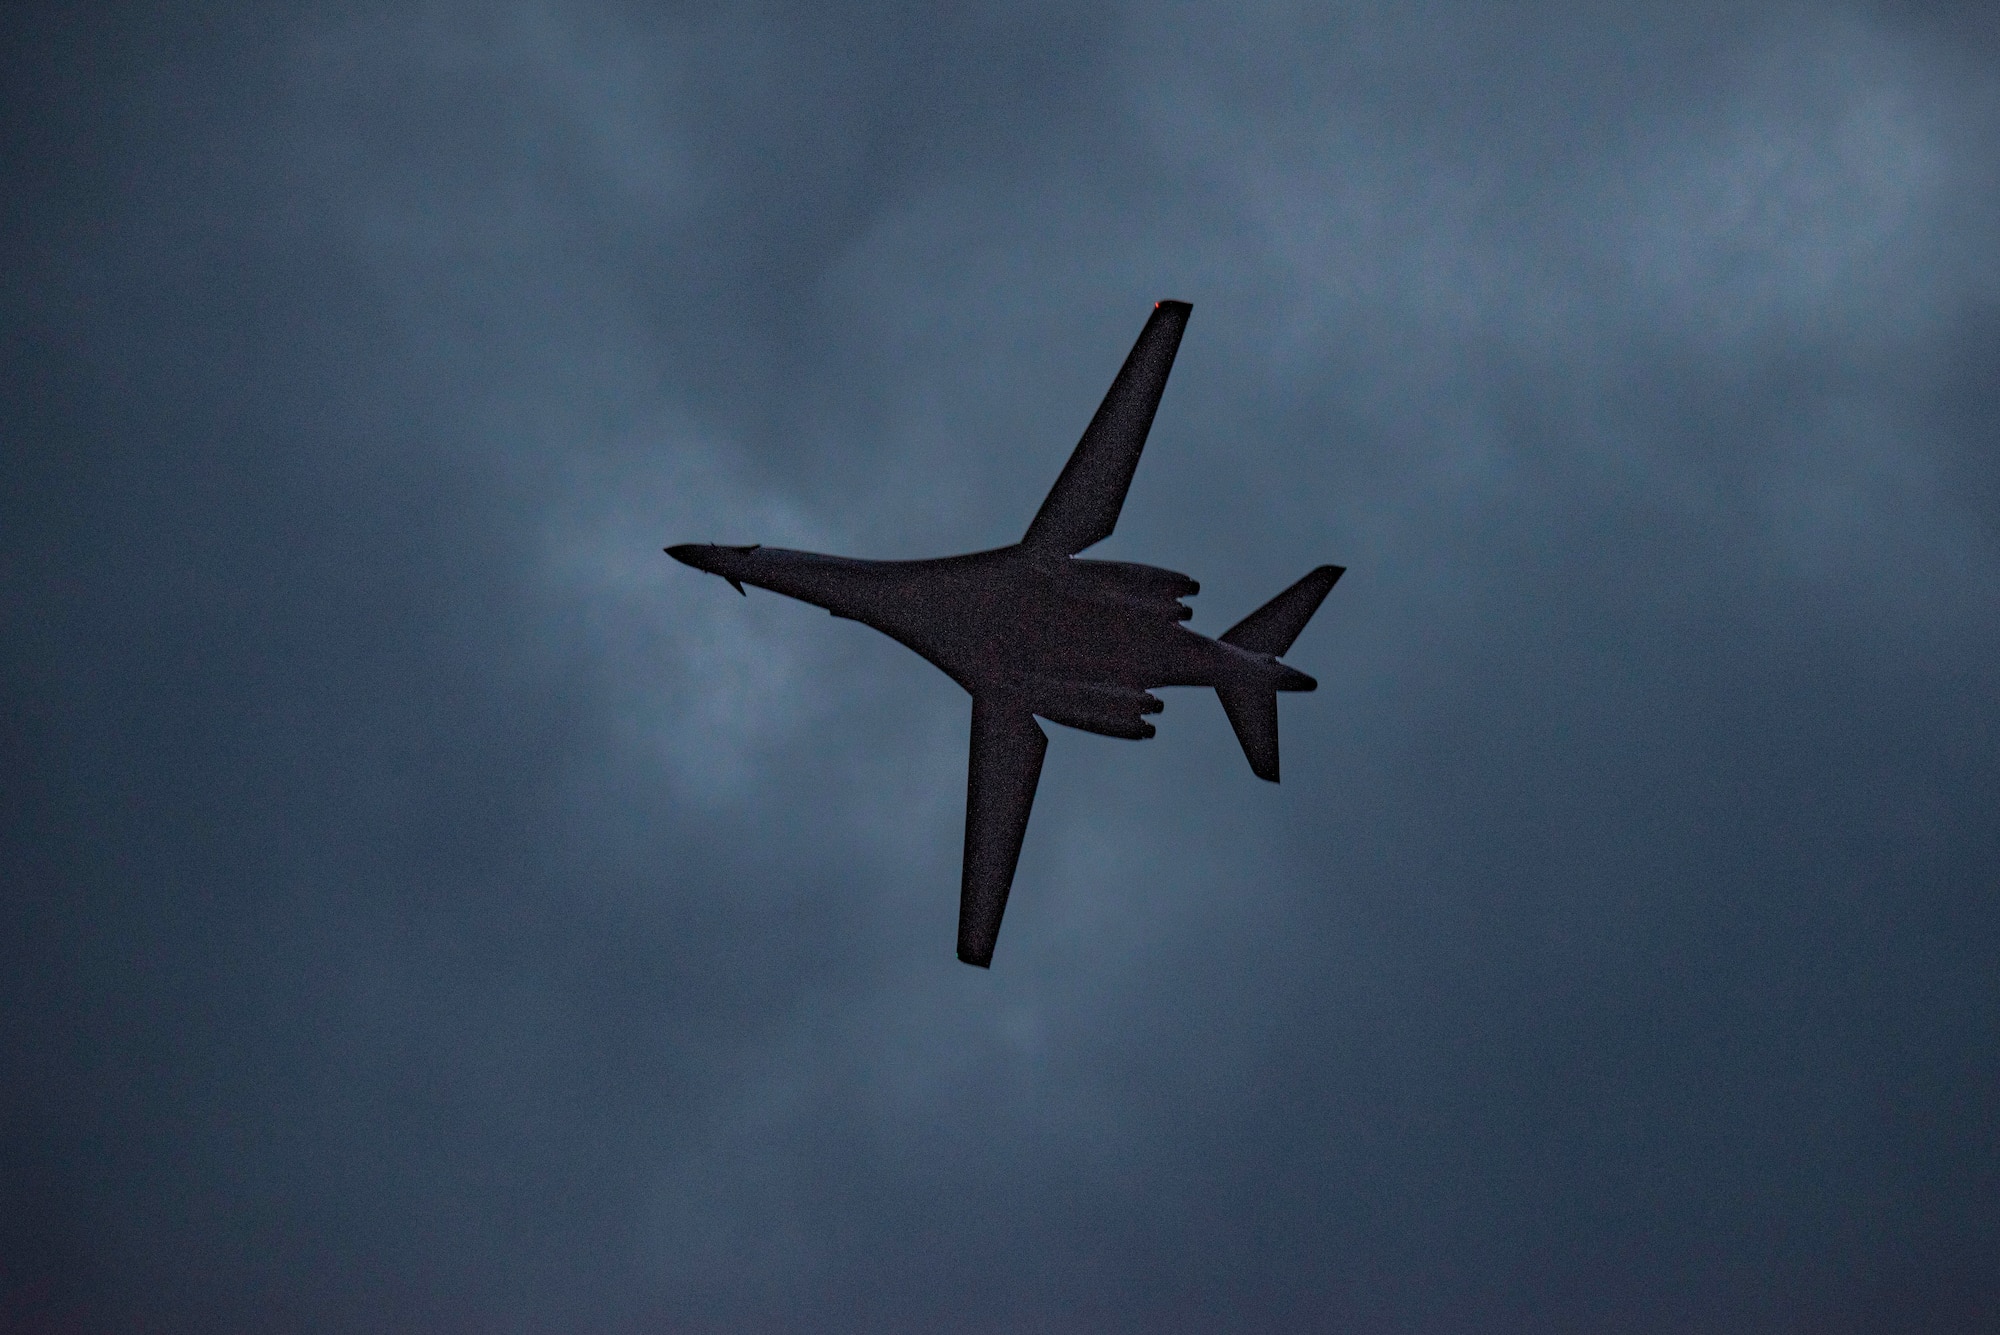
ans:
(1030, 630)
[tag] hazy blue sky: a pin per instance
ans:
(426, 907)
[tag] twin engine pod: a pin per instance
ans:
(1134, 585)
(1109, 711)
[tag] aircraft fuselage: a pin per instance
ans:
(1078, 642)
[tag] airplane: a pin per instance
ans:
(1031, 630)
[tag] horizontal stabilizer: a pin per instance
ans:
(1253, 712)
(1272, 628)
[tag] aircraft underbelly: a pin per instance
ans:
(1134, 655)
(981, 635)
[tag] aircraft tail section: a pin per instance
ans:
(1253, 712)
(1272, 628)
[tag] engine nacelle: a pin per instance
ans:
(1126, 583)
(1109, 711)
(1129, 579)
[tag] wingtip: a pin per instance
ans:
(986, 963)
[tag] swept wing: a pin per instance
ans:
(1082, 508)
(1006, 765)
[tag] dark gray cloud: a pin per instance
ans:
(428, 907)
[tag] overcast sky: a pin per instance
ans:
(426, 907)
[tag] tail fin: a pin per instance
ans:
(1272, 628)
(1253, 709)
(1253, 712)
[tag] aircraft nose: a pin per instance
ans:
(687, 553)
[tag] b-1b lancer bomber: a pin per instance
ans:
(1031, 630)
